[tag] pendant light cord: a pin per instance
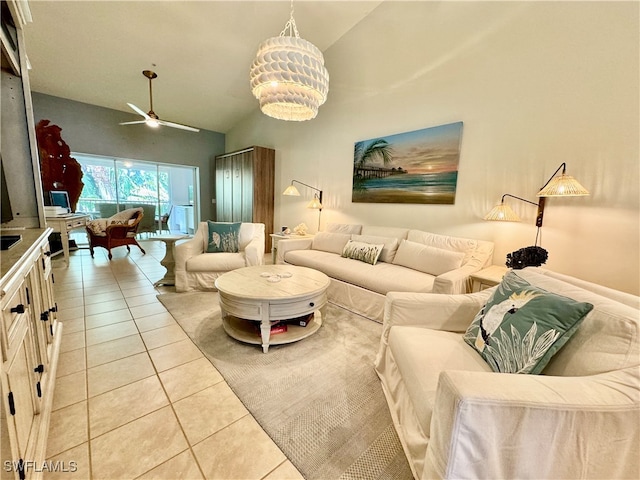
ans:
(291, 26)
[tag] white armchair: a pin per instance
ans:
(456, 418)
(197, 270)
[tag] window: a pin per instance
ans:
(111, 185)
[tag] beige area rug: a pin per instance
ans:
(319, 399)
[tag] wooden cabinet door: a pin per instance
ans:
(18, 395)
(224, 189)
(244, 197)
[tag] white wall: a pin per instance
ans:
(535, 83)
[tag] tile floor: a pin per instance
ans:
(134, 397)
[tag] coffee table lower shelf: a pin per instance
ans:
(245, 331)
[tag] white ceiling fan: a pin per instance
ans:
(150, 118)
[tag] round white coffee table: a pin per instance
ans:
(168, 261)
(271, 293)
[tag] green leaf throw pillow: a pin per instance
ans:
(522, 327)
(365, 252)
(223, 237)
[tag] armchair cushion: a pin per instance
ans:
(521, 327)
(223, 237)
(99, 225)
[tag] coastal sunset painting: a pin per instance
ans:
(412, 167)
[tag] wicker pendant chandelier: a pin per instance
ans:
(288, 76)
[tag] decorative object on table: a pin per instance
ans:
(315, 203)
(557, 186)
(286, 231)
(288, 76)
(412, 167)
(150, 118)
(59, 171)
(527, 257)
(300, 229)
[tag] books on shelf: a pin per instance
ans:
(282, 326)
(276, 327)
(302, 321)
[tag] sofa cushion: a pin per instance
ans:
(424, 258)
(222, 237)
(220, 262)
(362, 251)
(389, 248)
(347, 228)
(330, 242)
(521, 326)
(395, 232)
(420, 355)
(380, 278)
(466, 245)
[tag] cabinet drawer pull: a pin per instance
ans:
(18, 309)
(311, 304)
(47, 253)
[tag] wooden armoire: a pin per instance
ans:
(245, 187)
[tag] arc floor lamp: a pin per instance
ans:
(316, 201)
(562, 185)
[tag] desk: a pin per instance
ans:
(63, 225)
(168, 261)
(488, 277)
(275, 237)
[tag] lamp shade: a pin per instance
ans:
(315, 203)
(563, 186)
(289, 79)
(502, 212)
(291, 190)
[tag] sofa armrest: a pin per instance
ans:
(497, 425)
(453, 313)
(455, 281)
(289, 244)
(187, 249)
(254, 251)
(439, 312)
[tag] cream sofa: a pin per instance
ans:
(197, 270)
(456, 418)
(361, 287)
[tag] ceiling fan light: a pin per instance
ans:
(152, 122)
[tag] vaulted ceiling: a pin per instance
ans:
(95, 51)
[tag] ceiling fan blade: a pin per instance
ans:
(178, 125)
(138, 111)
(133, 123)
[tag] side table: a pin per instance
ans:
(488, 277)
(168, 261)
(275, 237)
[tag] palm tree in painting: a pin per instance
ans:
(376, 149)
(364, 153)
